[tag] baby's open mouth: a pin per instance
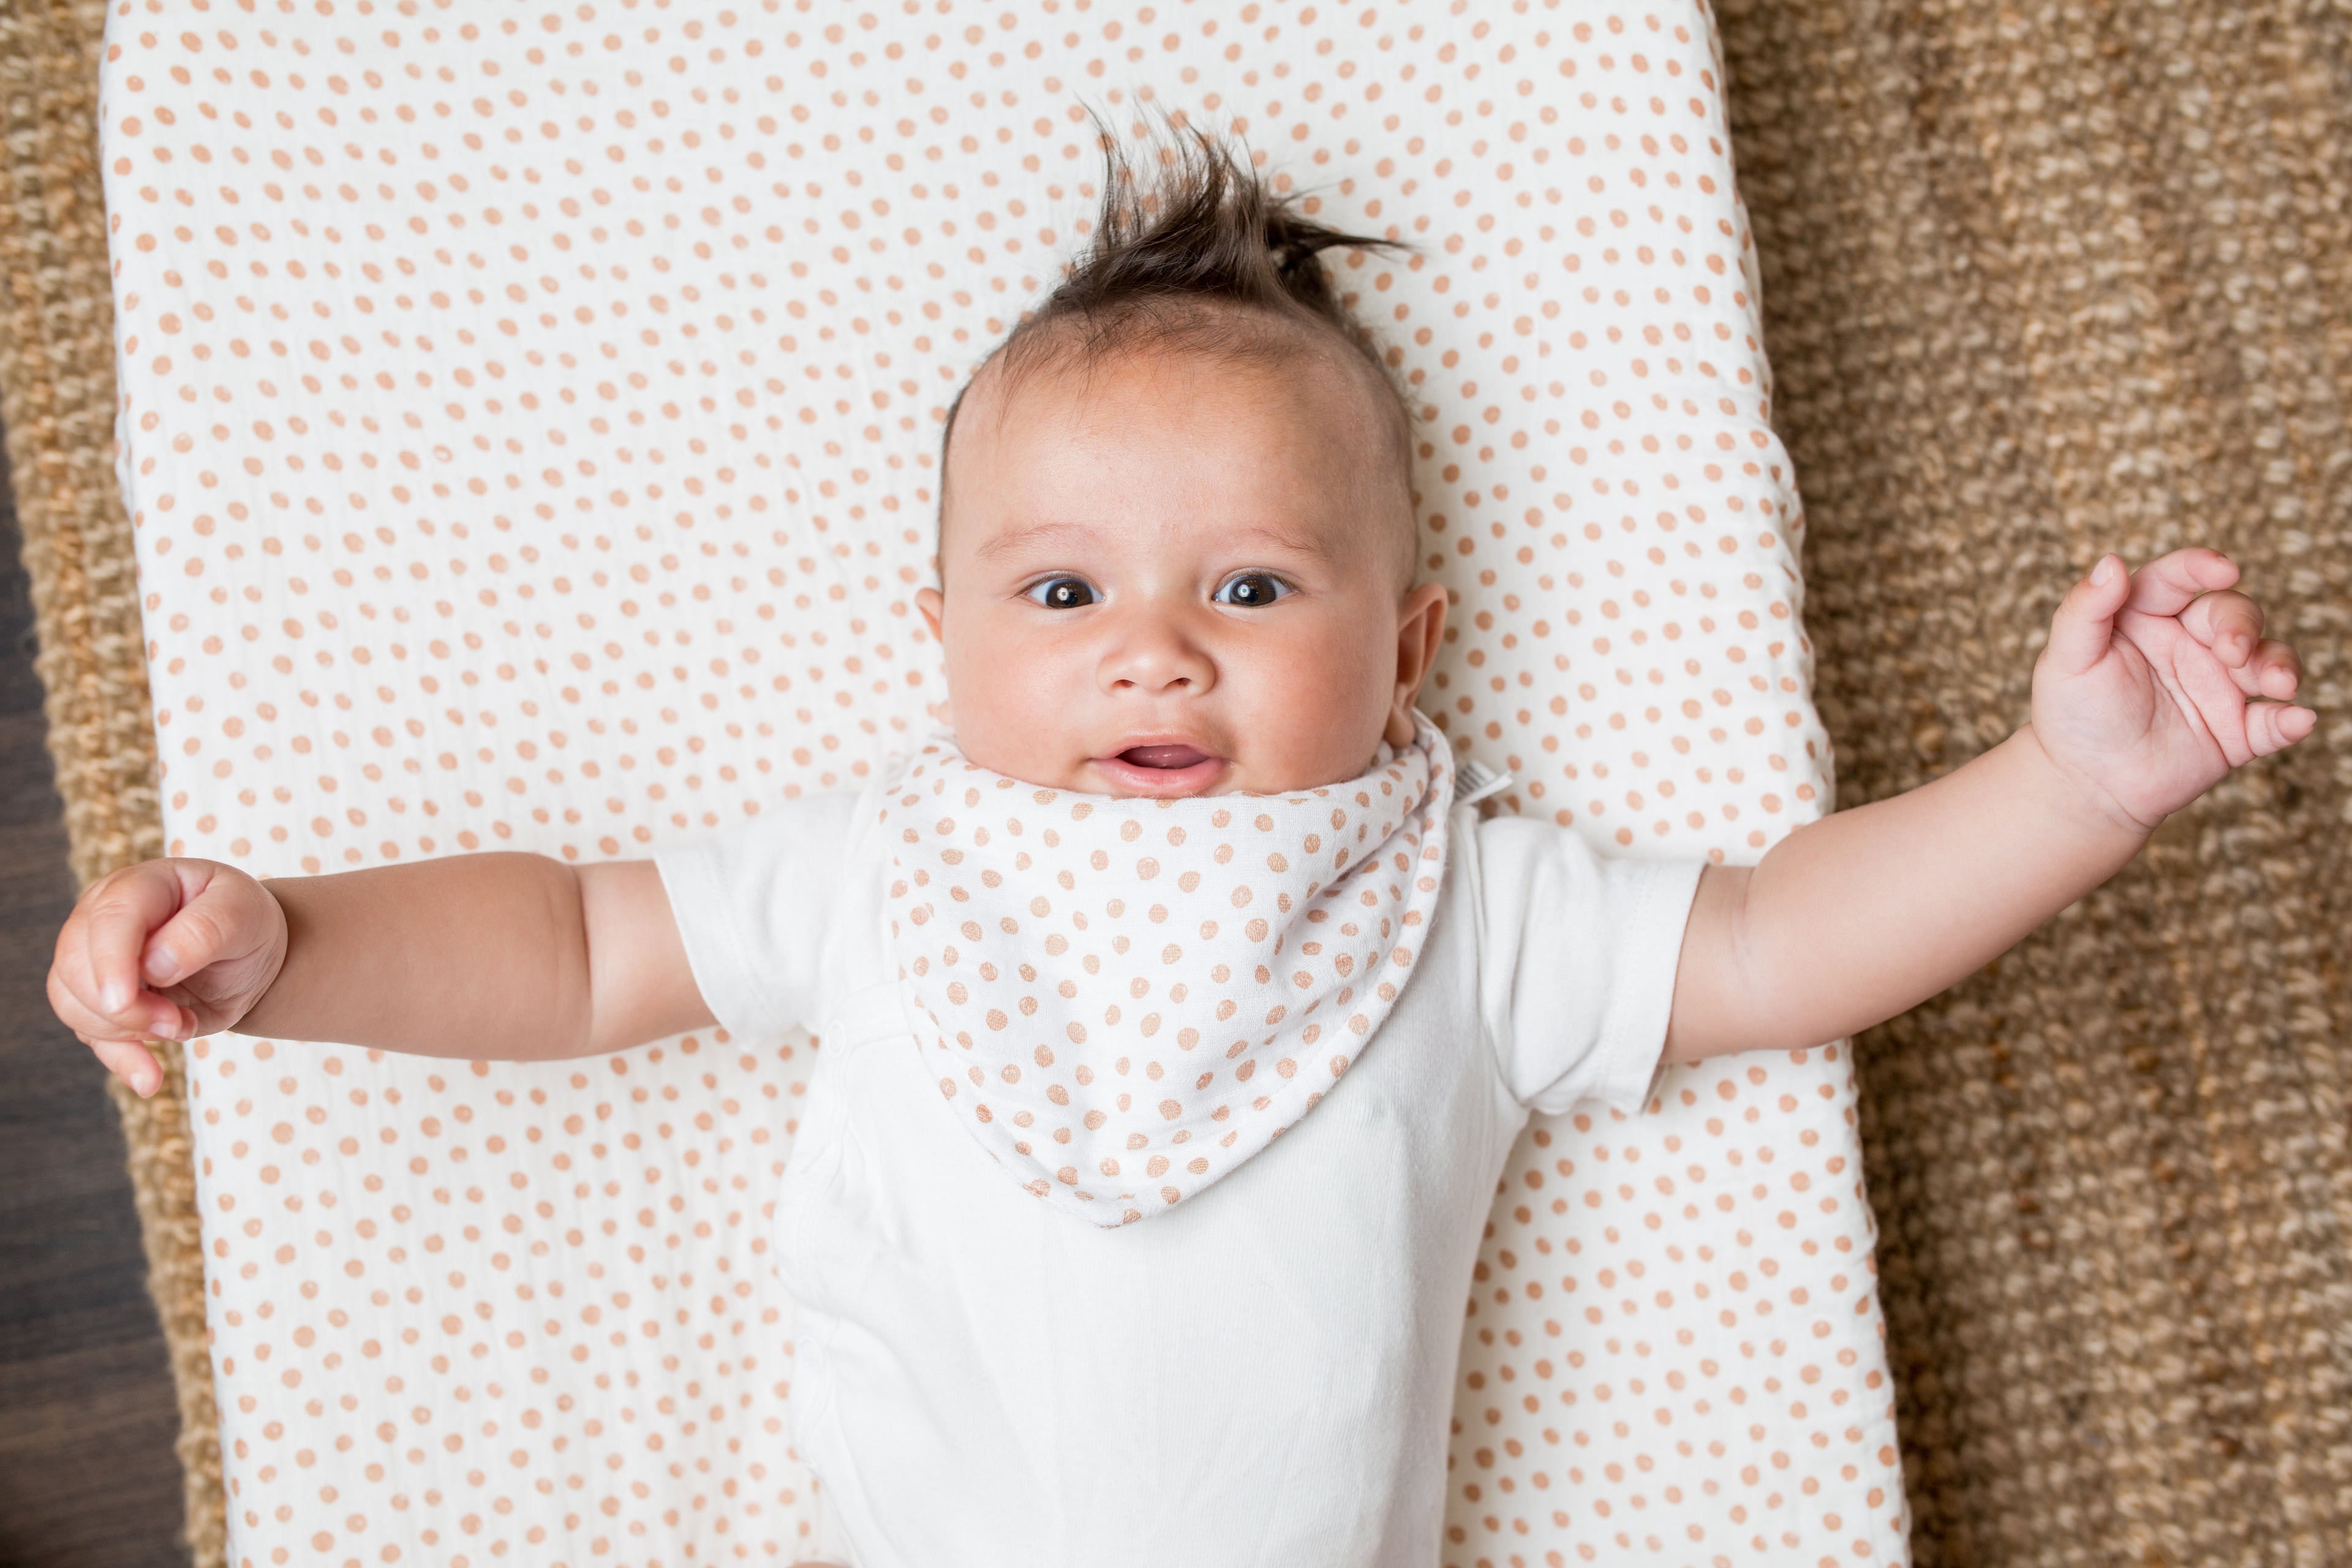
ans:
(1165, 757)
(1162, 768)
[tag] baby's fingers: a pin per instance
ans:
(2275, 726)
(2085, 626)
(2274, 671)
(202, 933)
(73, 995)
(2166, 585)
(2230, 624)
(98, 952)
(131, 1062)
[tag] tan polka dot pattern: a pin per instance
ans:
(462, 1310)
(527, 419)
(1674, 1351)
(1172, 1031)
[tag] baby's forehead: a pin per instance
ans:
(1253, 392)
(1294, 384)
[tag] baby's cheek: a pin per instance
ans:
(1013, 708)
(1321, 701)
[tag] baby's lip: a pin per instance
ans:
(1175, 756)
(1160, 765)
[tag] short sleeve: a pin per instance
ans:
(758, 908)
(1577, 962)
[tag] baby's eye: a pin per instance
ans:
(1062, 594)
(1252, 589)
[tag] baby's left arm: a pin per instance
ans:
(2154, 685)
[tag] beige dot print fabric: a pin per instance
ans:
(528, 420)
(1195, 942)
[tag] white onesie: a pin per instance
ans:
(1261, 1374)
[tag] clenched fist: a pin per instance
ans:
(163, 950)
(2156, 683)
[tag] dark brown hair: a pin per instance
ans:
(1205, 259)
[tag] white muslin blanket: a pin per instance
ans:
(528, 420)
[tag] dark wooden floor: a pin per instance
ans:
(86, 1418)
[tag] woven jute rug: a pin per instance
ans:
(56, 402)
(2040, 281)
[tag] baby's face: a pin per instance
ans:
(1179, 575)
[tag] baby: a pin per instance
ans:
(1176, 1021)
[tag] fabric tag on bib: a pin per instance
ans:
(1474, 781)
(1128, 998)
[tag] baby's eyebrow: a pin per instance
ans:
(1298, 543)
(1068, 534)
(1036, 535)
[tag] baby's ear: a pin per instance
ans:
(933, 604)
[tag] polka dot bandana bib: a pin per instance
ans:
(1128, 998)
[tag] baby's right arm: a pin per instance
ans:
(506, 956)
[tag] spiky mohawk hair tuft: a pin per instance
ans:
(1205, 259)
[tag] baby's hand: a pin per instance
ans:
(169, 949)
(2153, 685)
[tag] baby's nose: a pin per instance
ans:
(1154, 658)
